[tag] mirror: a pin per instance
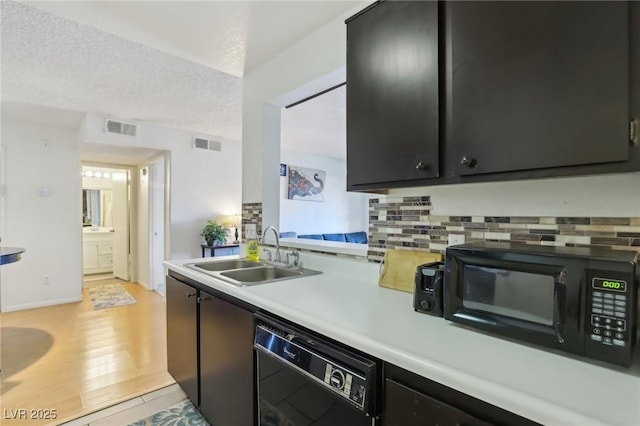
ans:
(96, 207)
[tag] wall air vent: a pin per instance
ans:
(202, 143)
(120, 128)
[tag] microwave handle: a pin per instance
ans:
(559, 308)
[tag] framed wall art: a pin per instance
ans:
(306, 184)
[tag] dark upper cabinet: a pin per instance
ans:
(536, 84)
(392, 93)
(455, 92)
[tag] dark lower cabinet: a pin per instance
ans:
(210, 353)
(226, 362)
(182, 337)
(407, 407)
(412, 400)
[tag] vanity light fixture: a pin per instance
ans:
(97, 174)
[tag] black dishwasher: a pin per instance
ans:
(305, 380)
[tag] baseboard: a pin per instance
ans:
(12, 308)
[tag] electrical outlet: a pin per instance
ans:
(455, 239)
(46, 280)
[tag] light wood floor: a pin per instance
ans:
(76, 360)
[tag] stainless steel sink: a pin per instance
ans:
(225, 265)
(268, 273)
(242, 272)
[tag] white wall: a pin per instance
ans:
(48, 227)
(611, 195)
(315, 63)
(96, 183)
(3, 215)
(341, 211)
(204, 184)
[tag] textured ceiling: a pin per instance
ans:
(177, 64)
(231, 36)
(54, 62)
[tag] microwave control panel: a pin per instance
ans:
(610, 312)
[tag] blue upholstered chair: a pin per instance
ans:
(334, 237)
(356, 237)
(311, 236)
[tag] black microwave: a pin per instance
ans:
(575, 299)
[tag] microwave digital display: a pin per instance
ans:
(608, 284)
(522, 295)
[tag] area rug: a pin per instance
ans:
(181, 414)
(109, 296)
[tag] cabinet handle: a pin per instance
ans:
(202, 298)
(468, 161)
(421, 166)
(189, 295)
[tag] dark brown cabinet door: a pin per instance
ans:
(226, 362)
(182, 336)
(536, 85)
(407, 407)
(392, 94)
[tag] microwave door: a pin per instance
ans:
(528, 302)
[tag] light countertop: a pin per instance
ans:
(346, 304)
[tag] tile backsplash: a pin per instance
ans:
(252, 214)
(405, 222)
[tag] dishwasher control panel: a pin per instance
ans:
(349, 385)
(349, 375)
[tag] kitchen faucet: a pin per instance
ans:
(275, 231)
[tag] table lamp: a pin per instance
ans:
(231, 221)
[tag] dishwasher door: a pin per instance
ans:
(301, 381)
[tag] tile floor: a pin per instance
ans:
(133, 409)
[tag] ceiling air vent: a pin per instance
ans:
(120, 128)
(207, 144)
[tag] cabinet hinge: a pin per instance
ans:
(633, 130)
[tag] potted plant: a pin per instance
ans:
(214, 233)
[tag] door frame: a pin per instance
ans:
(158, 231)
(127, 208)
(131, 209)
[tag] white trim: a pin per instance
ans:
(42, 304)
(157, 222)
